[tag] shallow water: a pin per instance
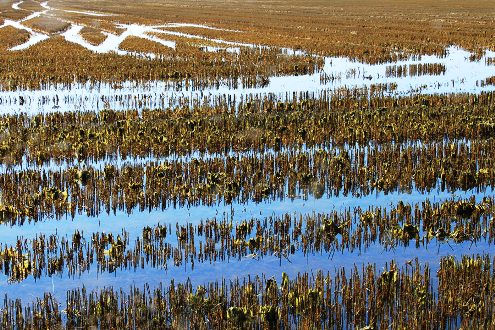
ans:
(461, 76)
(268, 266)
(134, 223)
(119, 161)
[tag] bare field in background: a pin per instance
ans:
(358, 27)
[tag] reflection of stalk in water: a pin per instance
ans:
(285, 237)
(407, 296)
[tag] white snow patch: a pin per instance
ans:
(113, 41)
(33, 15)
(45, 5)
(16, 5)
(88, 13)
(201, 26)
(193, 36)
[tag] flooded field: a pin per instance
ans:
(194, 174)
(459, 74)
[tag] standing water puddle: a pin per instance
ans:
(456, 73)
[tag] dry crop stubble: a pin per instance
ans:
(92, 35)
(362, 28)
(10, 37)
(48, 24)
